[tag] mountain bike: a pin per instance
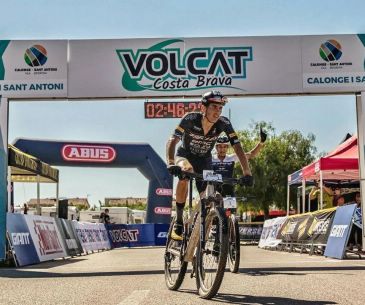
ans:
(205, 240)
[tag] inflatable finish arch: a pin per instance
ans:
(123, 155)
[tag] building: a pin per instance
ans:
(79, 203)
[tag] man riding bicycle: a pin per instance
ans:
(198, 132)
(224, 164)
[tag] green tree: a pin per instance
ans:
(282, 155)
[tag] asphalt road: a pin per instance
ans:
(135, 276)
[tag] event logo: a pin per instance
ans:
(163, 192)
(35, 56)
(330, 50)
(163, 68)
(162, 210)
(88, 153)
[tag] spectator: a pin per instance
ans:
(339, 200)
(358, 199)
(104, 216)
(315, 193)
(25, 208)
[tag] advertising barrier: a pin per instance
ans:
(161, 231)
(133, 235)
(340, 231)
(320, 227)
(71, 243)
(270, 233)
(21, 240)
(46, 237)
(250, 231)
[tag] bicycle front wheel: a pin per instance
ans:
(211, 261)
(175, 267)
(234, 252)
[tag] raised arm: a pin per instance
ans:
(242, 159)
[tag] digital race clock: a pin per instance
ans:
(160, 110)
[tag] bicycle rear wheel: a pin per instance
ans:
(175, 267)
(211, 261)
(234, 253)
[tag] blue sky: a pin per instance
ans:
(328, 117)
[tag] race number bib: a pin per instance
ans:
(209, 175)
(229, 203)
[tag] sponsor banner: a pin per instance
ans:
(46, 237)
(133, 235)
(184, 66)
(296, 228)
(319, 228)
(270, 236)
(340, 231)
(161, 231)
(30, 68)
(21, 240)
(71, 243)
(92, 236)
(88, 153)
(119, 235)
(250, 232)
(333, 63)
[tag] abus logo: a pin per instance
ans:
(163, 210)
(88, 153)
(164, 192)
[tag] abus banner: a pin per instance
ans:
(164, 192)
(88, 153)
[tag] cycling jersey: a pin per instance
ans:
(224, 167)
(194, 142)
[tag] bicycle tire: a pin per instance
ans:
(234, 245)
(173, 282)
(206, 290)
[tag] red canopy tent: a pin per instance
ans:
(341, 164)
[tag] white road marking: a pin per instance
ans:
(135, 298)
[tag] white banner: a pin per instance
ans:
(93, 236)
(333, 63)
(33, 69)
(270, 231)
(184, 67)
(46, 237)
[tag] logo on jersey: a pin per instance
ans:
(88, 153)
(167, 66)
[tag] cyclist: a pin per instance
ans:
(198, 132)
(224, 164)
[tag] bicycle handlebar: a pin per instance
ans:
(190, 176)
